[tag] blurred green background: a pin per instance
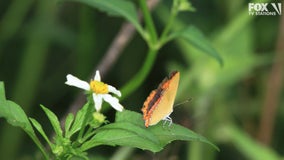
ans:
(238, 106)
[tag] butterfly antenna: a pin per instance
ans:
(185, 101)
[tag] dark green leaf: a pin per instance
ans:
(38, 126)
(124, 134)
(53, 120)
(120, 8)
(195, 37)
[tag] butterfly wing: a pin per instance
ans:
(159, 103)
(165, 106)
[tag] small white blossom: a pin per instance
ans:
(100, 91)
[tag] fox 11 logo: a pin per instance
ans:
(264, 9)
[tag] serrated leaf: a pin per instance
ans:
(68, 123)
(38, 126)
(120, 8)
(195, 37)
(124, 134)
(53, 120)
(78, 122)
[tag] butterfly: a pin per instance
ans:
(159, 104)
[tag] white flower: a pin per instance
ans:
(100, 91)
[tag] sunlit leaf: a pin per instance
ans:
(196, 38)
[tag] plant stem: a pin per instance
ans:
(164, 36)
(139, 78)
(149, 23)
(40, 146)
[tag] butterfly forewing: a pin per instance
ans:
(159, 103)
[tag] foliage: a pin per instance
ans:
(224, 56)
(127, 130)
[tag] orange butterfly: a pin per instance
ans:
(159, 104)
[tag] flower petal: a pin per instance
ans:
(114, 90)
(98, 76)
(98, 99)
(74, 81)
(113, 102)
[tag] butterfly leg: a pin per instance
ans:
(168, 119)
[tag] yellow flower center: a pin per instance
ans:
(99, 87)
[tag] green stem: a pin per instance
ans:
(40, 146)
(164, 36)
(149, 22)
(139, 78)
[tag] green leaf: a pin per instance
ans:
(124, 134)
(38, 126)
(13, 113)
(129, 130)
(195, 37)
(53, 120)
(119, 8)
(163, 133)
(78, 122)
(129, 116)
(68, 123)
(167, 134)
